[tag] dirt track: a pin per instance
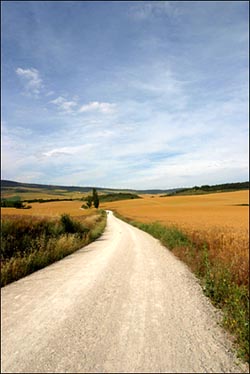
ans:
(122, 304)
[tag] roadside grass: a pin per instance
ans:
(226, 284)
(31, 243)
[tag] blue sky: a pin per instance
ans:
(125, 94)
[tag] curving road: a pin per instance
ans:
(122, 304)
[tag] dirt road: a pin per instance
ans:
(122, 304)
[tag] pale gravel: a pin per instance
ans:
(121, 304)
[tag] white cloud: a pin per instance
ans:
(106, 108)
(66, 151)
(60, 151)
(144, 10)
(64, 105)
(32, 80)
(50, 93)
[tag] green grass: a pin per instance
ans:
(30, 243)
(215, 278)
(99, 227)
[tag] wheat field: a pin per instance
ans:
(197, 211)
(219, 219)
(188, 212)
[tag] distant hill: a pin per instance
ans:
(226, 187)
(27, 187)
(13, 187)
(5, 184)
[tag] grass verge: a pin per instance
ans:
(31, 243)
(218, 280)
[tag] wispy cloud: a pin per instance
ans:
(59, 152)
(71, 106)
(64, 105)
(31, 80)
(147, 9)
(95, 106)
(50, 93)
(66, 151)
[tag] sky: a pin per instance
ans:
(140, 95)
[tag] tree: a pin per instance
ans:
(95, 198)
(89, 200)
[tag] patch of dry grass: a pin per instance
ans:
(227, 246)
(29, 243)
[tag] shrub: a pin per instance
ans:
(12, 203)
(72, 227)
(89, 201)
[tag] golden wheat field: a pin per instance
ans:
(200, 211)
(197, 211)
(219, 219)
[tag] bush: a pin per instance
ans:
(12, 203)
(21, 235)
(89, 201)
(72, 227)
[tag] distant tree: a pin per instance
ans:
(95, 198)
(205, 187)
(89, 200)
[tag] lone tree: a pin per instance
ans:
(89, 200)
(95, 198)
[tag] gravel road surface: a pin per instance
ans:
(121, 304)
